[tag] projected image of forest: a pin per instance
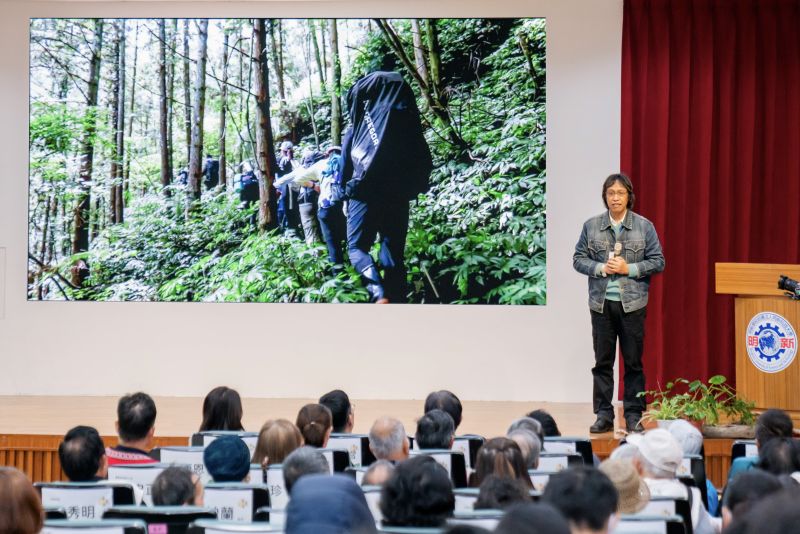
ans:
(287, 160)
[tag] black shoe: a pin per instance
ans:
(633, 423)
(603, 424)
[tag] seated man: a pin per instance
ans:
(136, 419)
(549, 426)
(585, 496)
(378, 473)
(532, 518)
(435, 430)
(327, 504)
(227, 459)
(301, 462)
(746, 490)
(658, 459)
(83, 455)
(419, 494)
(527, 423)
(177, 486)
(338, 403)
(770, 425)
(388, 440)
(446, 401)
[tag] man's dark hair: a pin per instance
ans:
(447, 401)
(498, 493)
(771, 424)
(419, 494)
(303, 461)
(585, 495)
(747, 488)
(136, 414)
(435, 430)
(532, 518)
(81, 453)
(338, 403)
(779, 456)
(549, 426)
(222, 410)
(779, 514)
(175, 486)
(625, 182)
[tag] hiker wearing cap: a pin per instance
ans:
(288, 213)
(658, 460)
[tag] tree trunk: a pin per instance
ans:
(434, 60)
(186, 91)
(198, 112)
(132, 106)
(120, 127)
(171, 92)
(265, 150)
(242, 98)
(310, 101)
(80, 229)
(223, 175)
(166, 171)
(312, 29)
(114, 163)
(335, 86)
(43, 248)
(419, 50)
(276, 63)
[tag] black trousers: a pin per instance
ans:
(614, 323)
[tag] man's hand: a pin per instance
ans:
(617, 265)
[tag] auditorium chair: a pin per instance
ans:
(694, 467)
(54, 512)
(569, 445)
(257, 474)
(540, 478)
(357, 473)
(191, 457)
(203, 439)
(555, 462)
(140, 475)
(85, 500)
(373, 496)
(465, 498)
(176, 519)
(278, 496)
(650, 524)
(338, 460)
(357, 445)
(208, 526)
(104, 526)
(411, 530)
(273, 517)
(452, 461)
(744, 447)
(236, 501)
(468, 444)
(668, 507)
(487, 519)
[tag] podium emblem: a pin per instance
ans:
(771, 342)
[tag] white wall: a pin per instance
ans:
(390, 352)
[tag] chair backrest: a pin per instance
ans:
(85, 500)
(105, 526)
(487, 519)
(452, 461)
(278, 496)
(373, 496)
(411, 530)
(468, 444)
(203, 439)
(140, 475)
(236, 501)
(357, 446)
(54, 512)
(271, 516)
(555, 462)
(338, 459)
(210, 526)
(649, 524)
(539, 478)
(257, 474)
(569, 445)
(693, 466)
(192, 457)
(166, 519)
(357, 473)
(465, 498)
(666, 507)
(743, 447)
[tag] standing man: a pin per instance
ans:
(618, 250)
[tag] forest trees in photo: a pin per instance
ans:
(145, 134)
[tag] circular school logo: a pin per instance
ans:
(771, 342)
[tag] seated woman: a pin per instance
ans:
(277, 438)
(20, 508)
(222, 410)
(501, 457)
(315, 423)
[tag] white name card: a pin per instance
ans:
(79, 503)
(231, 505)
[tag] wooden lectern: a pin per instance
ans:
(756, 288)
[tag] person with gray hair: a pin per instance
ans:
(435, 430)
(529, 444)
(303, 461)
(530, 424)
(388, 440)
(378, 473)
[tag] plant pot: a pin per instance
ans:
(729, 431)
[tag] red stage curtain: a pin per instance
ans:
(711, 140)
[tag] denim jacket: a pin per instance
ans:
(640, 248)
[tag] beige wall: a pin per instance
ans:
(392, 352)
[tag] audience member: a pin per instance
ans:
(746, 490)
(658, 460)
(632, 490)
(779, 514)
(780, 456)
(388, 440)
(83, 455)
(435, 430)
(498, 493)
(771, 424)
(177, 486)
(338, 403)
(585, 496)
(136, 419)
(625, 451)
(328, 504)
(691, 441)
(303, 461)
(532, 518)
(529, 444)
(419, 494)
(465, 529)
(227, 459)
(20, 507)
(446, 401)
(222, 410)
(500, 457)
(529, 424)
(276, 440)
(378, 473)
(549, 426)
(315, 423)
